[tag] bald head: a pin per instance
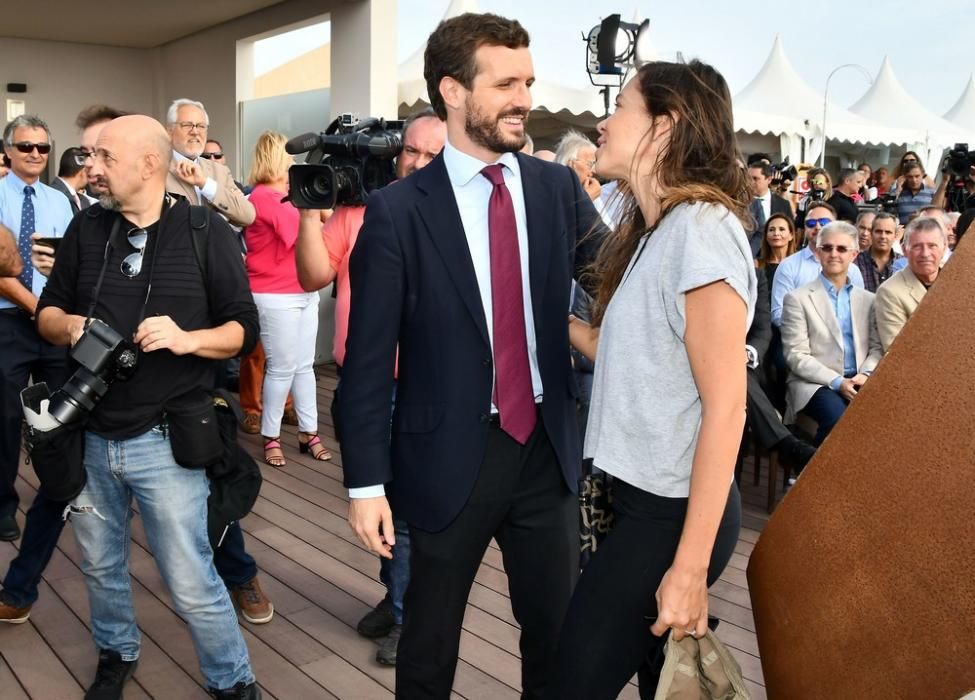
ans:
(132, 156)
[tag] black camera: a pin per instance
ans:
(887, 203)
(784, 172)
(346, 162)
(960, 161)
(104, 356)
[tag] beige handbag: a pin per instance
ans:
(700, 669)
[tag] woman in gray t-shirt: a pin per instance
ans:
(676, 294)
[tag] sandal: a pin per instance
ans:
(273, 454)
(314, 446)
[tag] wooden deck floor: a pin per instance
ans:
(321, 582)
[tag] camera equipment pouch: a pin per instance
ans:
(58, 455)
(235, 479)
(193, 431)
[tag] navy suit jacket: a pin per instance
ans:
(414, 288)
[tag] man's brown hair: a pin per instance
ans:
(97, 113)
(452, 45)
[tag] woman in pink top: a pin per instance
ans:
(289, 315)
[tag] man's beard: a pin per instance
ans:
(486, 131)
(108, 201)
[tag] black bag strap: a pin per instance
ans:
(199, 233)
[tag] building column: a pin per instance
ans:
(364, 68)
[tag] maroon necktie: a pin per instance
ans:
(513, 393)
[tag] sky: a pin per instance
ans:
(928, 44)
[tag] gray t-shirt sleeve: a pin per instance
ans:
(711, 246)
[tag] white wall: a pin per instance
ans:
(62, 78)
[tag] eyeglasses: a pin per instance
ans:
(132, 264)
(588, 163)
(810, 223)
(216, 155)
(189, 126)
(909, 160)
(28, 146)
(829, 248)
(82, 157)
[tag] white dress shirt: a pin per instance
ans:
(472, 191)
(766, 201)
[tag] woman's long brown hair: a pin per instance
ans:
(700, 163)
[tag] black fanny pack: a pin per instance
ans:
(194, 433)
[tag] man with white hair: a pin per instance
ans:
(201, 180)
(579, 153)
(898, 298)
(828, 334)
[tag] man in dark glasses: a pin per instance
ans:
(202, 180)
(29, 209)
(803, 267)
(829, 337)
(213, 150)
(193, 314)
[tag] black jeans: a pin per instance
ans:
(606, 636)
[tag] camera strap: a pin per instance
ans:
(116, 227)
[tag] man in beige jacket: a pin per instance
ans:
(828, 334)
(924, 245)
(200, 180)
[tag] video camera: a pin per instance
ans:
(784, 172)
(960, 161)
(346, 162)
(103, 356)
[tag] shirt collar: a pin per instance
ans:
(463, 168)
(179, 156)
(767, 197)
(807, 253)
(18, 185)
(848, 286)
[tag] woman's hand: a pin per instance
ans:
(682, 603)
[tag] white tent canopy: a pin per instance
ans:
(779, 101)
(962, 114)
(888, 103)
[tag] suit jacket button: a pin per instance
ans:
(486, 362)
(485, 418)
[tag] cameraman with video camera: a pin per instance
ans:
(134, 264)
(956, 192)
(323, 257)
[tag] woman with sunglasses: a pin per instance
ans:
(676, 292)
(820, 190)
(289, 315)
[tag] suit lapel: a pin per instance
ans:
(539, 202)
(860, 317)
(824, 307)
(446, 230)
(914, 285)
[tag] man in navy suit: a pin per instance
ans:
(466, 267)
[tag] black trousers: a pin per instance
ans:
(521, 500)
(762, 417)
(24, 355)
(606, 637)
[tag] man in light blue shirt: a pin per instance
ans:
(828, 334)
(803, 267)
(28, 209)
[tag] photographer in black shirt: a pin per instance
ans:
(138, 269)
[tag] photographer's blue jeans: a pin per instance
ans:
(395, 572)
(173, 507)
